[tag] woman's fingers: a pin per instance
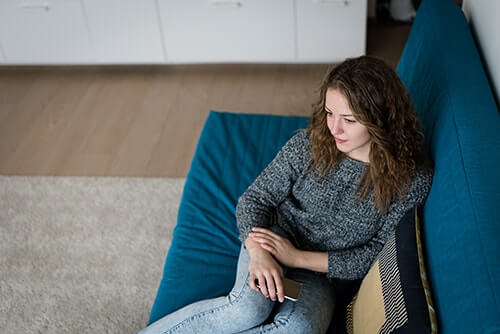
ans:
(262, 238)
(266, 243)
(266, 232)
(269, 248)
(253, 281)
(280, 290)
(271, 286)
(263, 285)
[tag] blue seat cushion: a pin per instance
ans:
(232, 150)
(443, 72)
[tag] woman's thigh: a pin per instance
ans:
(311, 313)
(241, 309)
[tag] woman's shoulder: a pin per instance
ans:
(299, 141)
(297, 149)
(420, 185)
(301, 135)
(416, 193)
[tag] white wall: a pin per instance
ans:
(483, 16)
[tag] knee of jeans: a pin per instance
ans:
(254, 307)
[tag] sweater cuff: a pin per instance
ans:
(244, 232)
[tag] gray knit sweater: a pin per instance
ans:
(321, 214)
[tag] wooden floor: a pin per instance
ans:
(144, 121)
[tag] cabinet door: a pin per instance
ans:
(228, 30)
(125, 31)
(330, 30)
(44, 32)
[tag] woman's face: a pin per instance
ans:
(351, 137)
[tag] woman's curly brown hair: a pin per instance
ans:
(379, 101)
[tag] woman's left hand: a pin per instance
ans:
(282, 249)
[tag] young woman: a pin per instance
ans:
(322, 210)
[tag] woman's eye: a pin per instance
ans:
(329, 114)
(350, 121)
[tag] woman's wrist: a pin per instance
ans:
(252, 245)
(314, 261)
(298, 259)
(301, 259)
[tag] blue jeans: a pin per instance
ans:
(245, 310)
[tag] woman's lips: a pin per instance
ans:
(340, 141)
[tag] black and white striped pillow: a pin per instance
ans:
(394, 297)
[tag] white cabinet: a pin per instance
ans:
(180, 31)
(44, 32)
(125, 31)
(2, 59)
(330, 30)
(228, 30)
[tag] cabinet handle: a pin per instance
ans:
(232, 3)
(339, 2)
(40, 5)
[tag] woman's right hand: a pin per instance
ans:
(265, 272)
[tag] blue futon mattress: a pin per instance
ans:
(232, 150)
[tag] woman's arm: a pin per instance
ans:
(349, 263)
(315, 261)
(256, 205)
(286, 253)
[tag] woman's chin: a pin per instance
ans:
(342, 148)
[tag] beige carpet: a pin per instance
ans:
(82, 254)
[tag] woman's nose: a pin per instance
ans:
(336, 127)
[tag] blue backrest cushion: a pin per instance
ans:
(232, 150)
(442, 70)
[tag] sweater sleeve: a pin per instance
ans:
(354, 263)
(257, 204)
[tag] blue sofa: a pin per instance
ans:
(442, 70)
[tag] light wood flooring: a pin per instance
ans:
(144, 121)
